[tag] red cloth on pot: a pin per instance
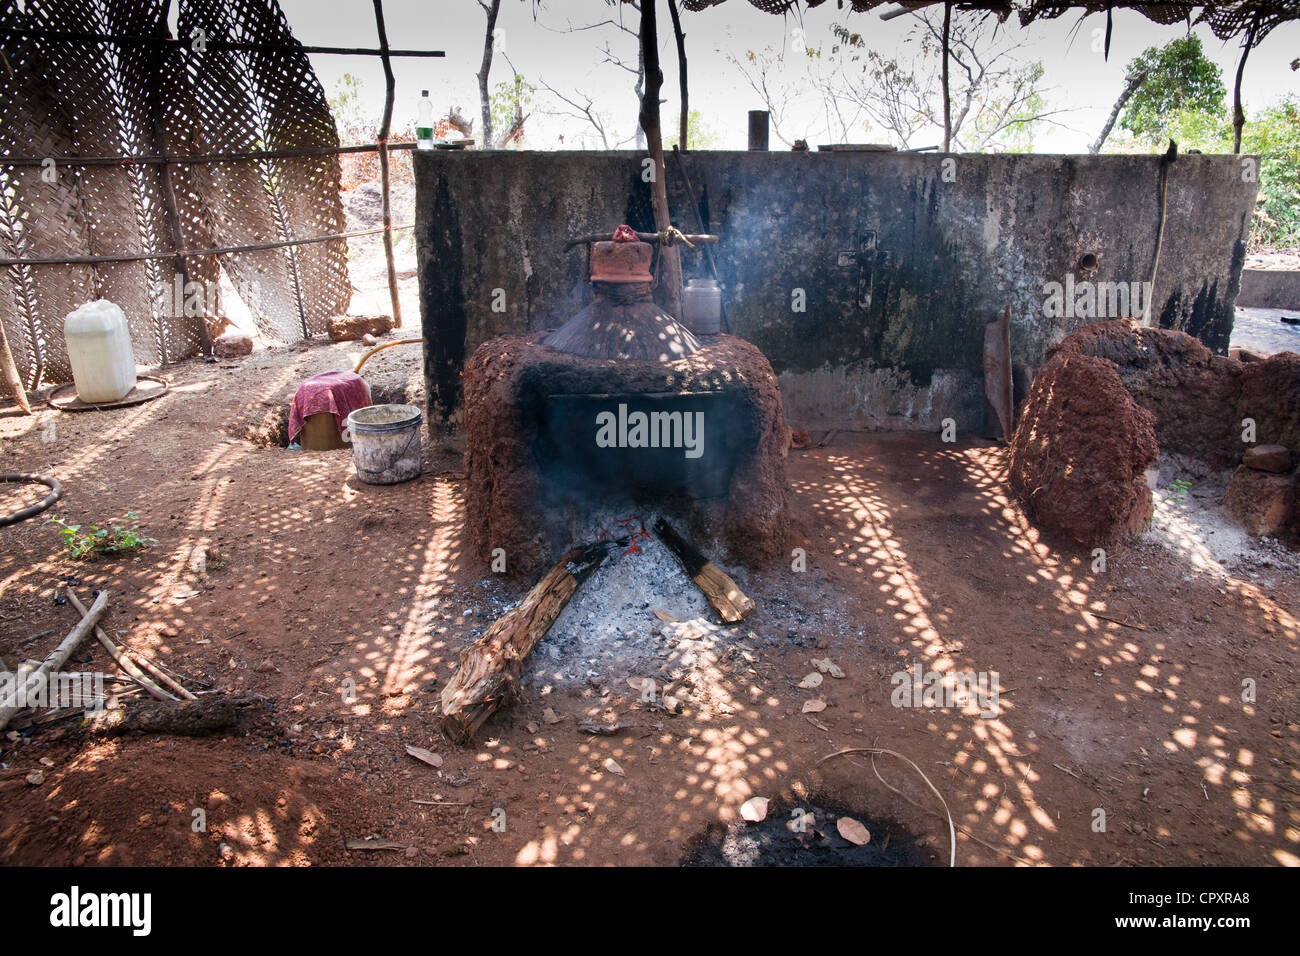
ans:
(340, 393)
(625, 233)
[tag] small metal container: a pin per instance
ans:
(702, 306)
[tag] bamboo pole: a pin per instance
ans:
(136, 257)
(171, 212)
(245, 156)
(390, 85)
(124, 39)
(124, 662)
(59, 656)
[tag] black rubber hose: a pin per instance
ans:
(56, 492)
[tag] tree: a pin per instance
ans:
(501, 108)
(580, 106)
(698, 133)
(1178, 79)
(843, 88)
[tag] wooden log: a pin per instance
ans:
(122, 660)
(488, 675)
(9, 373)
(59, 656)
(723, 593)
(182, 718)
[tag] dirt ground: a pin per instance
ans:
(345, 605)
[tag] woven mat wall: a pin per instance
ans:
(62, 99)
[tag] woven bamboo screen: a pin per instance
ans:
(1227, 18)
(81, 99)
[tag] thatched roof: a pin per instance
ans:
(1227, 18)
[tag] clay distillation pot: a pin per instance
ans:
(623, 322)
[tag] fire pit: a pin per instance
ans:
(621, 408)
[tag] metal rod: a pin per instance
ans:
(76, 36)
(138, 257)
(252, 155)
(389, 87)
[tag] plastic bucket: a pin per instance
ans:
(385, 443)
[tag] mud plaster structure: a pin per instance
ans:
(537, 481)
(1114, 395)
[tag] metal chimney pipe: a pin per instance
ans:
(758, 120)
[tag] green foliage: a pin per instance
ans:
(700, 134)
(354, 125)
(1274, 135)
(119, 539)
(509, 102)
(1179, 79)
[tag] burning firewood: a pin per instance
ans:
(723, 593)
(489, 668)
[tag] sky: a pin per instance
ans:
(549, 49)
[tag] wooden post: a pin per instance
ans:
(670, 263)
(1239, 115)
(170, 209)
(9, 370)
(389, 88)
(947, 95)
(682, 136)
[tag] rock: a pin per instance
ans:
(349, 328)
(1081, 450)
(369, 340)
(1246, 355)
(1274, 458)
(1261, 501)
(232, 344)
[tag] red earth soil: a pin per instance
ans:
(1121, 690)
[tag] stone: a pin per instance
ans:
(232, 344)
(1261, 501)
(349, 328)
(1274, 458)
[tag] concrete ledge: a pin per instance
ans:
(1269, 289)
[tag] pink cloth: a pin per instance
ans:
(340, 393)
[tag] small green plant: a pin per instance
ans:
(1181, 487)
(115, 540)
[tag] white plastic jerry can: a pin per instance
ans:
(99, 351)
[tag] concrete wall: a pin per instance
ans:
(1269, 289)
(901, 258)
